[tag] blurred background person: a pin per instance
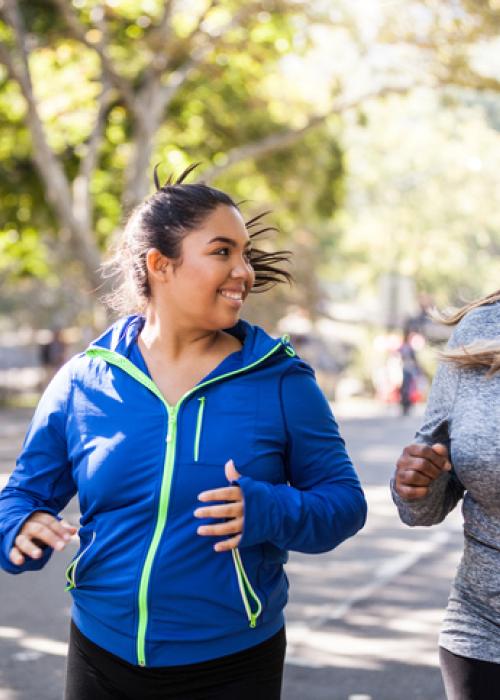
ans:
(52, 355)
(409, 389)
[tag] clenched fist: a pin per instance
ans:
(418, 467)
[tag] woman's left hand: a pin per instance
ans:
(232, 512)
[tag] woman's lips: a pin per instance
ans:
(234, 297)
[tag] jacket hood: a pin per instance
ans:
(121, 336)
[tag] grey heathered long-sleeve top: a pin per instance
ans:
(463, 412)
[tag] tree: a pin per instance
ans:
(422, 168)
(450, 39)
(123, 71)
(102, 87)
(94, 93)
(421, 184)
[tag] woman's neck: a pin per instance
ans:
(161, 335)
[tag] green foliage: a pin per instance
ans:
(22, 254)
(388, 186)
(225, 102)
(421, 180)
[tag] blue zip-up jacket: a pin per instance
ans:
(145, 585)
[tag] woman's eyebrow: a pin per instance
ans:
(227, 241)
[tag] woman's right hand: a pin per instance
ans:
(39, 531)
(418, 467)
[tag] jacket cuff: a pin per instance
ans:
(258, 504)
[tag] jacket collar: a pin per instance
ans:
(121, 336)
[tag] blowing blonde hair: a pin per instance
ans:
(481, 354)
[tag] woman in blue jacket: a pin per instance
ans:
(201, 450)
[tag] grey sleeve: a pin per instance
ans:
(445, 492)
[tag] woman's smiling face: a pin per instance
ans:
(206, 288)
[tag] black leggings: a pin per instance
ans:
(95, 674)
(469, 679)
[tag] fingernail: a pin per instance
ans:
(59, 545)
(66, 537)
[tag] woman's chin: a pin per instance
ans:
(232, 314)
(222, 321)
(232, 320)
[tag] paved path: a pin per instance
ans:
(362, 620)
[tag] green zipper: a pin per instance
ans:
(246, 589)
(71, 570)
(199, 423)
(114, 358)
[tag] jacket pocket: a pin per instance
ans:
(199, 427)
(71, 571)
(224, 425)
(251, 601)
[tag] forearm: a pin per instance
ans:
(305, 521)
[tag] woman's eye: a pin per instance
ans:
(226, 252)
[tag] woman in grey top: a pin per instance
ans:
(456, 456)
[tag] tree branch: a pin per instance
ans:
(284, 139)
(10, 12)
(82, 202)
(49, 168)
(78, 32)
(178, 77)
(470, 81)
(17, 65)
(154, 98)
(196, 55)
(162, 59)
(160, 32)
(159, 37)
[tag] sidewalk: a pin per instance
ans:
(364, 407)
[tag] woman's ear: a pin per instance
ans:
(158, 265)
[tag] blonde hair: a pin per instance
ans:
(481, 354)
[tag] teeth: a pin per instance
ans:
(237, 296)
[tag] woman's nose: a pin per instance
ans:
(241, 270)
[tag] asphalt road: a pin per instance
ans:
(362, 622)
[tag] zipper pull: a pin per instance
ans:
(285, 339)
(172, 420)
(199, 423)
